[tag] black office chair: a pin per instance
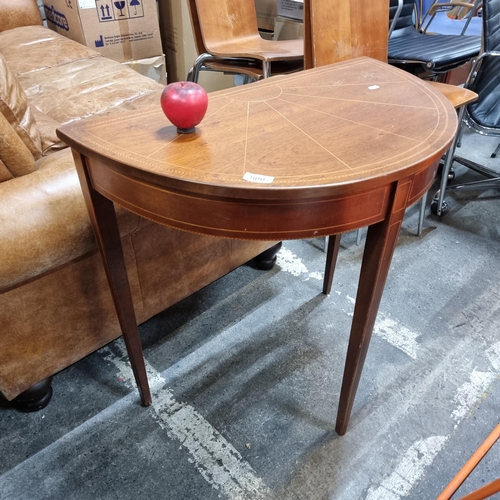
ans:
(438, 16)
(482, 116)
(415, 51)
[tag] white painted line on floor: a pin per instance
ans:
(409, 470)
(293, 265)
(397, 334)
(290, 263)
(493, 354)
(316, 276)
(220, 464)
(469, 393)
(422, 453)
(394, 332)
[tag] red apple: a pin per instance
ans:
(184, 104)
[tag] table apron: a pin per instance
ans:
(252, 219)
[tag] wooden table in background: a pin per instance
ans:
(311, 154)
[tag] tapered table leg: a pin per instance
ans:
(103, 217)
(332, 253)
(379, 247)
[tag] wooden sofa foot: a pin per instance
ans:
(267, 259)
(35, 398)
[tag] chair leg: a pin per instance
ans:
(423, 203)
(439, 196)
(194, 72)
(358, 237)
(470, 465)
(266, 69)
(497, 150)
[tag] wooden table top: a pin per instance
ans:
(315, 132)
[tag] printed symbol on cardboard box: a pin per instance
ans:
(135, 3)
(108, 10)
(120, 6)
(105, 13)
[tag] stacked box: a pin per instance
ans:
(122, 30)
(293, 9)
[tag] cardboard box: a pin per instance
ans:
(266, 14)
(293, 9)
(288, 29)
(152, 67)
(179, 47)
(122, 30)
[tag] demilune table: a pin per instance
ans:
(311, 154)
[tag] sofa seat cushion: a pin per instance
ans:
(58, 229)
(47, 127)
(33, 48)
(84, 88)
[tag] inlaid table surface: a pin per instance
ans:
(310, 154)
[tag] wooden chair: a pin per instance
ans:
(227, 39)
(336, 31)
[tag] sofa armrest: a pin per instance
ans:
(14, 14)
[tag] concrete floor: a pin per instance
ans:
(246, 377)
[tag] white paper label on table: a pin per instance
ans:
(261, 179)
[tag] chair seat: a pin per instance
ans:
(252, 68)
(258, 48)
(435, 51)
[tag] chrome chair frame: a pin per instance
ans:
(493, 181)
(441, 8)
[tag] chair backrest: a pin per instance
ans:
(486, 110)
(195, 24)
(491, 25)
(225, 20)
(336, 31)
(405, 22)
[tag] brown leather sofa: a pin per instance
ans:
(55, 305)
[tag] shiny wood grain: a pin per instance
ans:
(458, 96)
(336, 31)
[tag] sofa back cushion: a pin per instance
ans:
(15, 158)
(14, 107)
(16, 13)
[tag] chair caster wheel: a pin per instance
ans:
(434, 207)
(451, 173)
